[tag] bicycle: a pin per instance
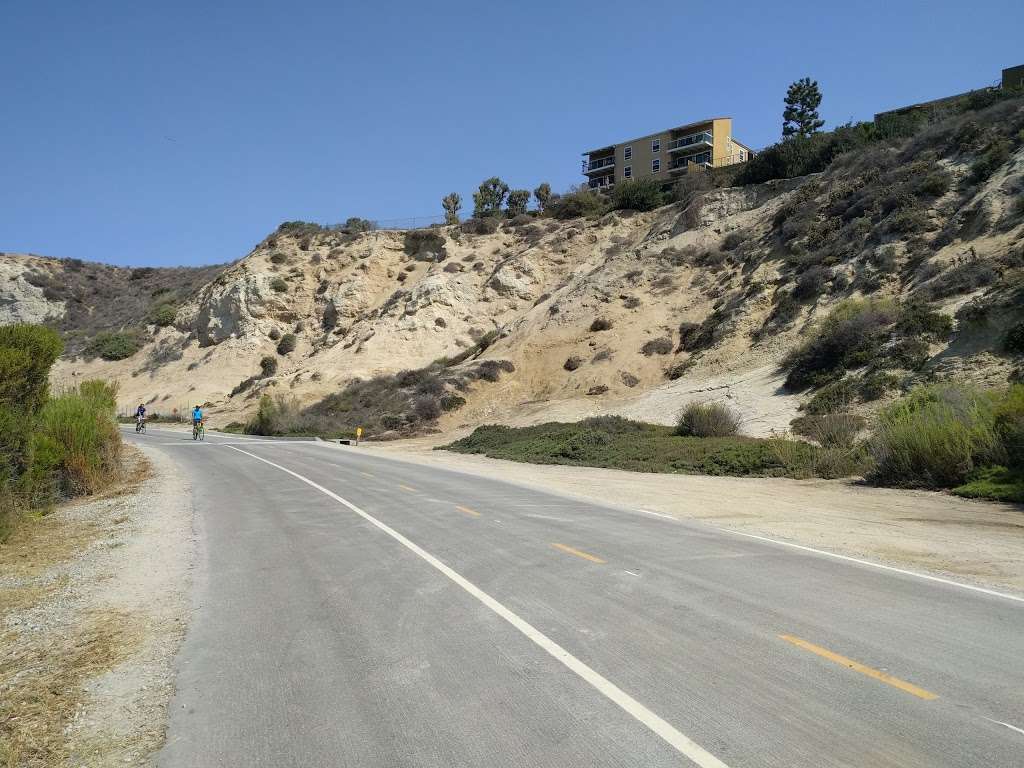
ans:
(140, 425)
(198, 431)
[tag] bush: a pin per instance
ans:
(451, 402)
(875, 384)
(274, 334)
(637, 195)
(851, 336)
(917, 319)
(278, 258)
(601, 324)
(811, 284)
(268, 365)
(910, 354)
(163, 315)
(424, 245)
(933, 438)
(487, 226)
(830, 430)
(708, 420)
(961, 278)
(659, 346)
(689, 335)
(1009, 425)
(278, 285)
(572, 363)
(833, 398)
(1013, 339)
(576, 203)
(287, 344)
(354, 224)
(518, 199)
(113, 345)
(76, 448)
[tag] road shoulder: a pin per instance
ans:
(96, 601)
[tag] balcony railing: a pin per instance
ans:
(597, 165)
(704, 137)
(705, 161)
(601, 182)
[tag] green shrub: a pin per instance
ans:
(278, 285)
(601, 324)
(287, 344)
(451, 402)
(689, 335)
(875, 384)
(963, 277)
(27, 352)
(833, 398)
(708, 420)
(268, 365)
(830, 430)
(1013, 339)
(572, 363)
(995, 483)
(111, 345)
(851, 336)
(163, 314)
(480, 226)
(278, 258)
(576, 203)
(916, 319)
(811, 284)
(934, 438)
(1009, 425)
(611, 441)
(354, 224)
(76, 447)
(274, 334)
(637, 195)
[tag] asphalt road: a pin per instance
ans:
(360, 611)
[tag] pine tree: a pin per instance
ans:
(800, 118)
(451, 204)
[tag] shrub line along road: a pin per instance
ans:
(353, 610)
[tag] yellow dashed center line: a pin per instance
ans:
(468, 511)
(578, 553)
(856, 666)
(407, 488)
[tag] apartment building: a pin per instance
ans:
(666, 155)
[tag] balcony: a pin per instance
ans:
(594, 166)
(702, 159)
(601, 183)
(693, 141)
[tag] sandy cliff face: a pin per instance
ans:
(20, 300)
(375, 302)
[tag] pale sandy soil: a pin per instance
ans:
(971, 541)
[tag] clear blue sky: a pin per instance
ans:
(182, 132)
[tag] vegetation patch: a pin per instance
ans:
(617, 443)
(708, 420)
(111, 345)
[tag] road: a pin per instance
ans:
(361, 611)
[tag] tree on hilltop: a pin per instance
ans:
(518, 199)
(451, 204)
(543, 195)
(800, 118)
(488, 199)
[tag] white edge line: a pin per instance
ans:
(870, 564)
(1011, 727)
(892, 568)
(657, 514)
(667, 732)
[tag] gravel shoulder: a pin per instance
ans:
(972, 541)
(95, 600)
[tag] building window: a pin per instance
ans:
(656, 145)
(655, 165)
(627, 153)
(627, 172)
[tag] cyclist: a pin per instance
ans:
(197, 416)
(140, 415)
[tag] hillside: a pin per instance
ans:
(629, 313)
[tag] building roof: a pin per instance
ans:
(656, 133)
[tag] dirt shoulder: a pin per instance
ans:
(973, 541)
(93, 602)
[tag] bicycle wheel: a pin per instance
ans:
(202, 433)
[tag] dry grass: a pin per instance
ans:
(42, 684)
